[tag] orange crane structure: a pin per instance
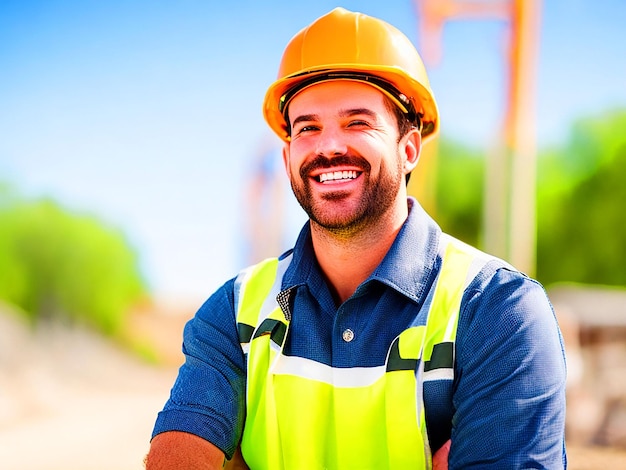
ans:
(510, 212)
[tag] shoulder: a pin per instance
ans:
(507, 317)
(500, 289)
(221, 299)
(494, 289)
(509, 364)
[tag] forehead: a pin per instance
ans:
(336, 96)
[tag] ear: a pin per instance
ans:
(411, 145)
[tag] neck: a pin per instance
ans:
(347, 259)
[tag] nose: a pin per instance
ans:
(330, 142)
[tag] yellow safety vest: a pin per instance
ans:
(305, 415)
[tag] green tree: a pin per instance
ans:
(581, 215)
(56, 264)
(581, 200)
(459, 191)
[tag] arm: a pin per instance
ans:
(440, 459)
(510, 378)
(206, 408)
(174, 449)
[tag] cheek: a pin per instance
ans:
(288, 159)
(300, 146)
(291, 166)
(295, 157)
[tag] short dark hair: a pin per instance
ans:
(405, 121)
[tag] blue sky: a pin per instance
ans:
(148, 113)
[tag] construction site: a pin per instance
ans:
(74, 399)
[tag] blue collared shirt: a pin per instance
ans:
(505, 407)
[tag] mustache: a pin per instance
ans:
(322, 162)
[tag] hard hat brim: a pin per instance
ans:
(421, 98)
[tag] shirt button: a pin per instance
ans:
(348, 335)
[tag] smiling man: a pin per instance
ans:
(377, 342)
(356, 169)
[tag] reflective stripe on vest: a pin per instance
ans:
(306, 415)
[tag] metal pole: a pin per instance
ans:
(521, 134)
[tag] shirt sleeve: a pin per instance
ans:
(509, 390)
(208, 397)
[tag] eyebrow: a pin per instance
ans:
(305, 118)
(342, 113)
(357, 111)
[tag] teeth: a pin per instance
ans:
(337, 175)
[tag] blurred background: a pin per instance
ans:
(137, 175)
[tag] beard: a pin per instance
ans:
(337, 211)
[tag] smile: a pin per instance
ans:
(337, 176)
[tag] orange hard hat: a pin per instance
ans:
(343, 45)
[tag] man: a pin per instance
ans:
(378, 341)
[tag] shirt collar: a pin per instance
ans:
(408, 266)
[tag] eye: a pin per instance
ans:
(358, 123)
(308, 128)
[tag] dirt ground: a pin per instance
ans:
(595, 458)
(72, 401)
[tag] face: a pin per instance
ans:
(345, 160)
